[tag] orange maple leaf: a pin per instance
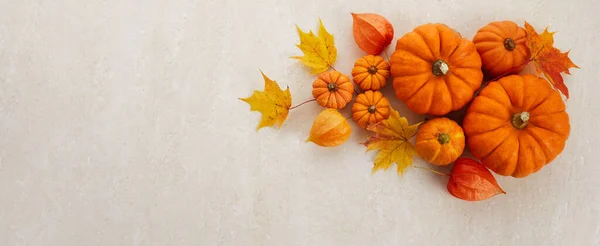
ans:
(548, 59)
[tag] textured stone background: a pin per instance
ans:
(120, 125)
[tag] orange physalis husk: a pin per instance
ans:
(372, 32)
(329, 129)
(471, 181)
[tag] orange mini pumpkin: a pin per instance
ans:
(435, 70)
(502, 48)
(440, 141)
(333, 89)
(370, 107)
(516, 125)
(371, 72)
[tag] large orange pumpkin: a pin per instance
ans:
(370, 107)
(435, 70)
(502, 48)
(440, 141)
(333, 89)
(516, 125)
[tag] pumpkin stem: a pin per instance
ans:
(372, 69)
(372, 109)
(443, 138)
(509, 44)
(332, 87)
(520, 120)
(439, 68)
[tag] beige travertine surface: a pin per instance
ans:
(120, 125)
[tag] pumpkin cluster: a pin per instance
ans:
(515, 124)
(512, 123)
(370, 73)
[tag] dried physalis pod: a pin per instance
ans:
(329, 129)
(471, 181)
(372, 32)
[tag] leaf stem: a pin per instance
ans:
(333, 68)
(433, 171)
(293, 107)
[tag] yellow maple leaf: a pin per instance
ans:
(392, 140)
(319, 51)
(548, 59)
(273, 103)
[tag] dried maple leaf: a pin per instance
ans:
(273, 103)
(392, 140)
(548, 59)
(319, 51)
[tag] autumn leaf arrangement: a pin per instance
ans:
(514, 123)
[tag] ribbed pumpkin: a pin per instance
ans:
(516, 125)
(435, 70)
(333, 89)
(440, 141)
(370, 107)
(371, 72)
(502, 48)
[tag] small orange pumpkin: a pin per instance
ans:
(516, 125)
(435, 70)
(440, 141)
(333, 89)
(371, 72)
(502, 48)
(370, 107)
